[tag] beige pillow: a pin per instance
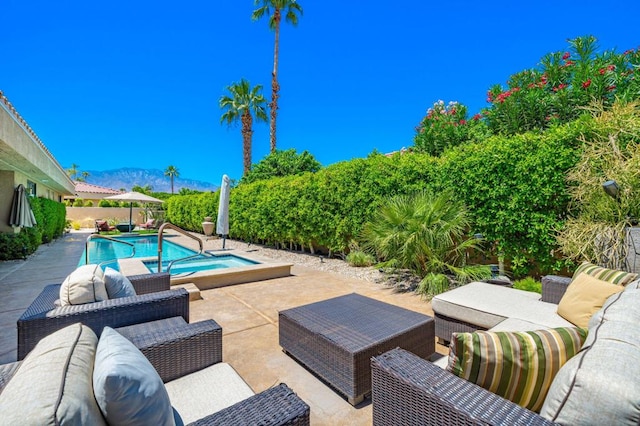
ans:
(54, 384)
(84, 285)
(584, 297)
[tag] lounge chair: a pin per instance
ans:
(103, 226)
(153, 301)
(149, 224)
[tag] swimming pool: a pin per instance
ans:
(201, 263)
(107, 253)
(103, 250)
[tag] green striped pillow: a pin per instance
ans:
(517, 365)
(610, 275)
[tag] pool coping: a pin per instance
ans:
(265, 269)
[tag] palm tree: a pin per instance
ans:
(72, 171)
(425, 233)
(274, 9)
(244, 101)
(84, 175)
(172, 171)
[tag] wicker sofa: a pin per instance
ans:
(154, 301)
(57, 381)
(599, 385)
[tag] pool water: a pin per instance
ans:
(200, 263)
(103, 250)
(107, 253)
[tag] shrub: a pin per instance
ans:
(89, 203)
(282, 163)
(528, 284)
(516, 191)
(76, 225)
(104, 203)
(50, 222)
(446, 126)
(425, 232)
(78, 202)
(560, 89)
(597, 228)
(360, 259)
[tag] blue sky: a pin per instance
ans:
(137, 83)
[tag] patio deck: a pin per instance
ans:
(248, 314)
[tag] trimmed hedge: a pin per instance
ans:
(50, 217)
(514, 187)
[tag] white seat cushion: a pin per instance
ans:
(487, 305)
(207, 391)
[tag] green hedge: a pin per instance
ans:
(50, 217)
(189, 211)
(514, 188)
(516, 191)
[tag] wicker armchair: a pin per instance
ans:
(408, 390)
(154, 301)
(176, 350)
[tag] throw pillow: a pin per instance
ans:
(518, 365)
(584, 297)
(117, 285)
(610, 275)
(53, 385)
(84, 285)
(127, 387)
(601, 384)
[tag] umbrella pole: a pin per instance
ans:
(224, 239)
(130, 215)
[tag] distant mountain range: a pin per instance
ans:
(128, 177)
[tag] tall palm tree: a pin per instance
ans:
(172, 171)
(274, 9)
(73, 171)
(243, 102)
(84, 175)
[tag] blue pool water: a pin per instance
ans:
(107, 252)
(102, 250)
(200, 263)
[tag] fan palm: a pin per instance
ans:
(242, 104)
(275, 9)
(425, 233)
(172, 171)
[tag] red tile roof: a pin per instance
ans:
(94, 189)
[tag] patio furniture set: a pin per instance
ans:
(357, 346)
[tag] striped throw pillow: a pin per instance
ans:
(518, 365)
(610, 275)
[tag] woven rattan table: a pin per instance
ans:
(336, 338)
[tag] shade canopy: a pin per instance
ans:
(131, 197)
(21, 213)
(134, 196)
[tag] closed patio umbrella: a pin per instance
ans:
(222, 224)
(133, 196)
(21, 213)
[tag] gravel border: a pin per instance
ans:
(313, 261)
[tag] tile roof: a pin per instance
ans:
(94, 189)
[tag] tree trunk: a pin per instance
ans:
(275, 87)
(247, 133)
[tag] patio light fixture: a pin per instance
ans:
(611, 188)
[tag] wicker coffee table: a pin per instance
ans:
(336, 338)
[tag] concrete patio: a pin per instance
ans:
(248, 314)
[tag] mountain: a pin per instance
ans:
(128, 177)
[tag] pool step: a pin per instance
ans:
(194, 292)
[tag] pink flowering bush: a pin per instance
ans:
(446, 126)
(560, 88)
